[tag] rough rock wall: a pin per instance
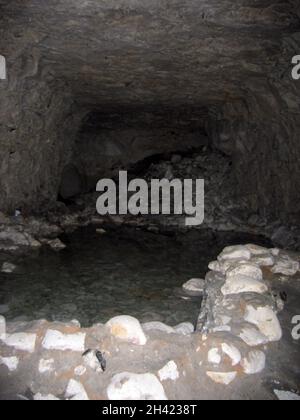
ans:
(261, 133)
(37, 129)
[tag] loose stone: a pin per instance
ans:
(194, 285)
(286, 395)
(22, 341)
(169, 372)
(214, 356)
(238, 252)
(232, 352)
(56, 340)
(242, 284)
(223, 378)
(254, 363)
(252, 337)
(46, 366)
(127, 328)
(139, 387)
(56, 245)
(10, 362)
(266, 321)
(75, 391)
(247, 269)
(8, 268)
(47, 397)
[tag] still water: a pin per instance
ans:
(124, 271)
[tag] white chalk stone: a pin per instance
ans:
(80, 370)
(91, 361)
(247, 269)
(232, 352)
(263, 260)
(45, 397)
(8, 268)
(194, 285)
(56, 340)
(75, 391)
(252, 337)
(139, 387)
(257, 249)
(223, 320)
(214, 356)
(185, 328)
(169, 372)
(2, 328)
(215, 266)
(223, 378)
(158, 326)
(21, 341)
(286, 266)
(242, 284)
(127, 328)
(238, 252)
(275, 251)
(46, 366)
(221, 328)
(266, 321)
(286, 395)
(254, 363)
(57, 245)
(10, 362)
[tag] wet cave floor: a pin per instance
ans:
(124, 271)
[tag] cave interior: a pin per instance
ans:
(96, 86)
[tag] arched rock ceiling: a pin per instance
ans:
(143, 52)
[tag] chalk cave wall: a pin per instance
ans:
(261, 134)
(38, 123)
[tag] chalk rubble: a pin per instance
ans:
(248, 270)
(252, 337)
(127, 328)
(223, 378)
(75, 391)
(56, 340)
(194, 285)
(255, 362)
(214, 356)
(10, 362)
(266, 321)
(232, 352)
(21, 341)
(169, 372)
(8, 268)
(139, 387)
(237, 252)
(242, 284)
(286, 265)
(46, 366)
(45, 397)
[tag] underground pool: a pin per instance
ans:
(124, 271)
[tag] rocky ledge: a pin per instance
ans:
(230, 348)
